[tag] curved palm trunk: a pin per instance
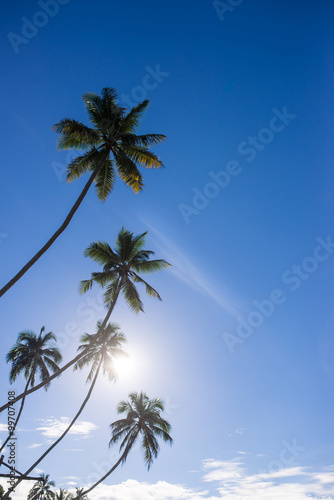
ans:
(56, 234)
(70, 363)
(63, 434)
(120, 460)
(18, 416)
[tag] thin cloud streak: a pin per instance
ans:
(188, 273)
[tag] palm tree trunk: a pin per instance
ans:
(63, 434)
(70, 363)
(120, 460)
(56, 234)
(18, 416)
(111, 308)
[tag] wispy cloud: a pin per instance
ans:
(190, 274)
(34, 445)
(53, 427)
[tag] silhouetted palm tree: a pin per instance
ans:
(63, 495)
(79, 492)
(142, 419)
(122, 268)
(42, 489)
(32, 354)
(111, 147)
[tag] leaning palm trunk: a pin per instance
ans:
(56, 234)
(18, 416)
(63, 434)
(70, 363)
(119, 461)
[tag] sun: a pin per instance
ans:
(124, 366)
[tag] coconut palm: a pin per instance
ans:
(63, 495)
(31, 355)
(2, 492)
(121, 269)
(79, 492)
(110, 147)
(142, 419)
(99, 350)
(42, 489)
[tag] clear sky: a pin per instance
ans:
(241, 348)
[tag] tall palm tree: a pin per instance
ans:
(32, 354)
(142, 419)
(42, 489)
(121, 269)
(111, 147)
(100, 351)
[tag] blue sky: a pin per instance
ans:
(243, 212)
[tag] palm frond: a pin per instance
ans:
(132, 119)
(132, 296)
(143, 156)
(149, 289)
(128, 171)
(151, 266)
(101, 253)
(75, 135)
(85, 285)
(104, 180)
(142, 140)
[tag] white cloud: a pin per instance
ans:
(53, 428)
(34, 445)
(292, 483)
(230, 481)
(134, 490)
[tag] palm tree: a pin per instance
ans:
(80, 493)
(142, 419)
(100, 350)
(63, 495)
(2, 492)
(42, 489)
(32, 354)
(121, 269)
(111, 147)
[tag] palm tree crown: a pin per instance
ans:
(63, 495)
(103, 348)
(121, 268)
(32, 354)
(110, 143)
(42, 489)
(142, 418)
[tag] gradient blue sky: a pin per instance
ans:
(235, 404)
